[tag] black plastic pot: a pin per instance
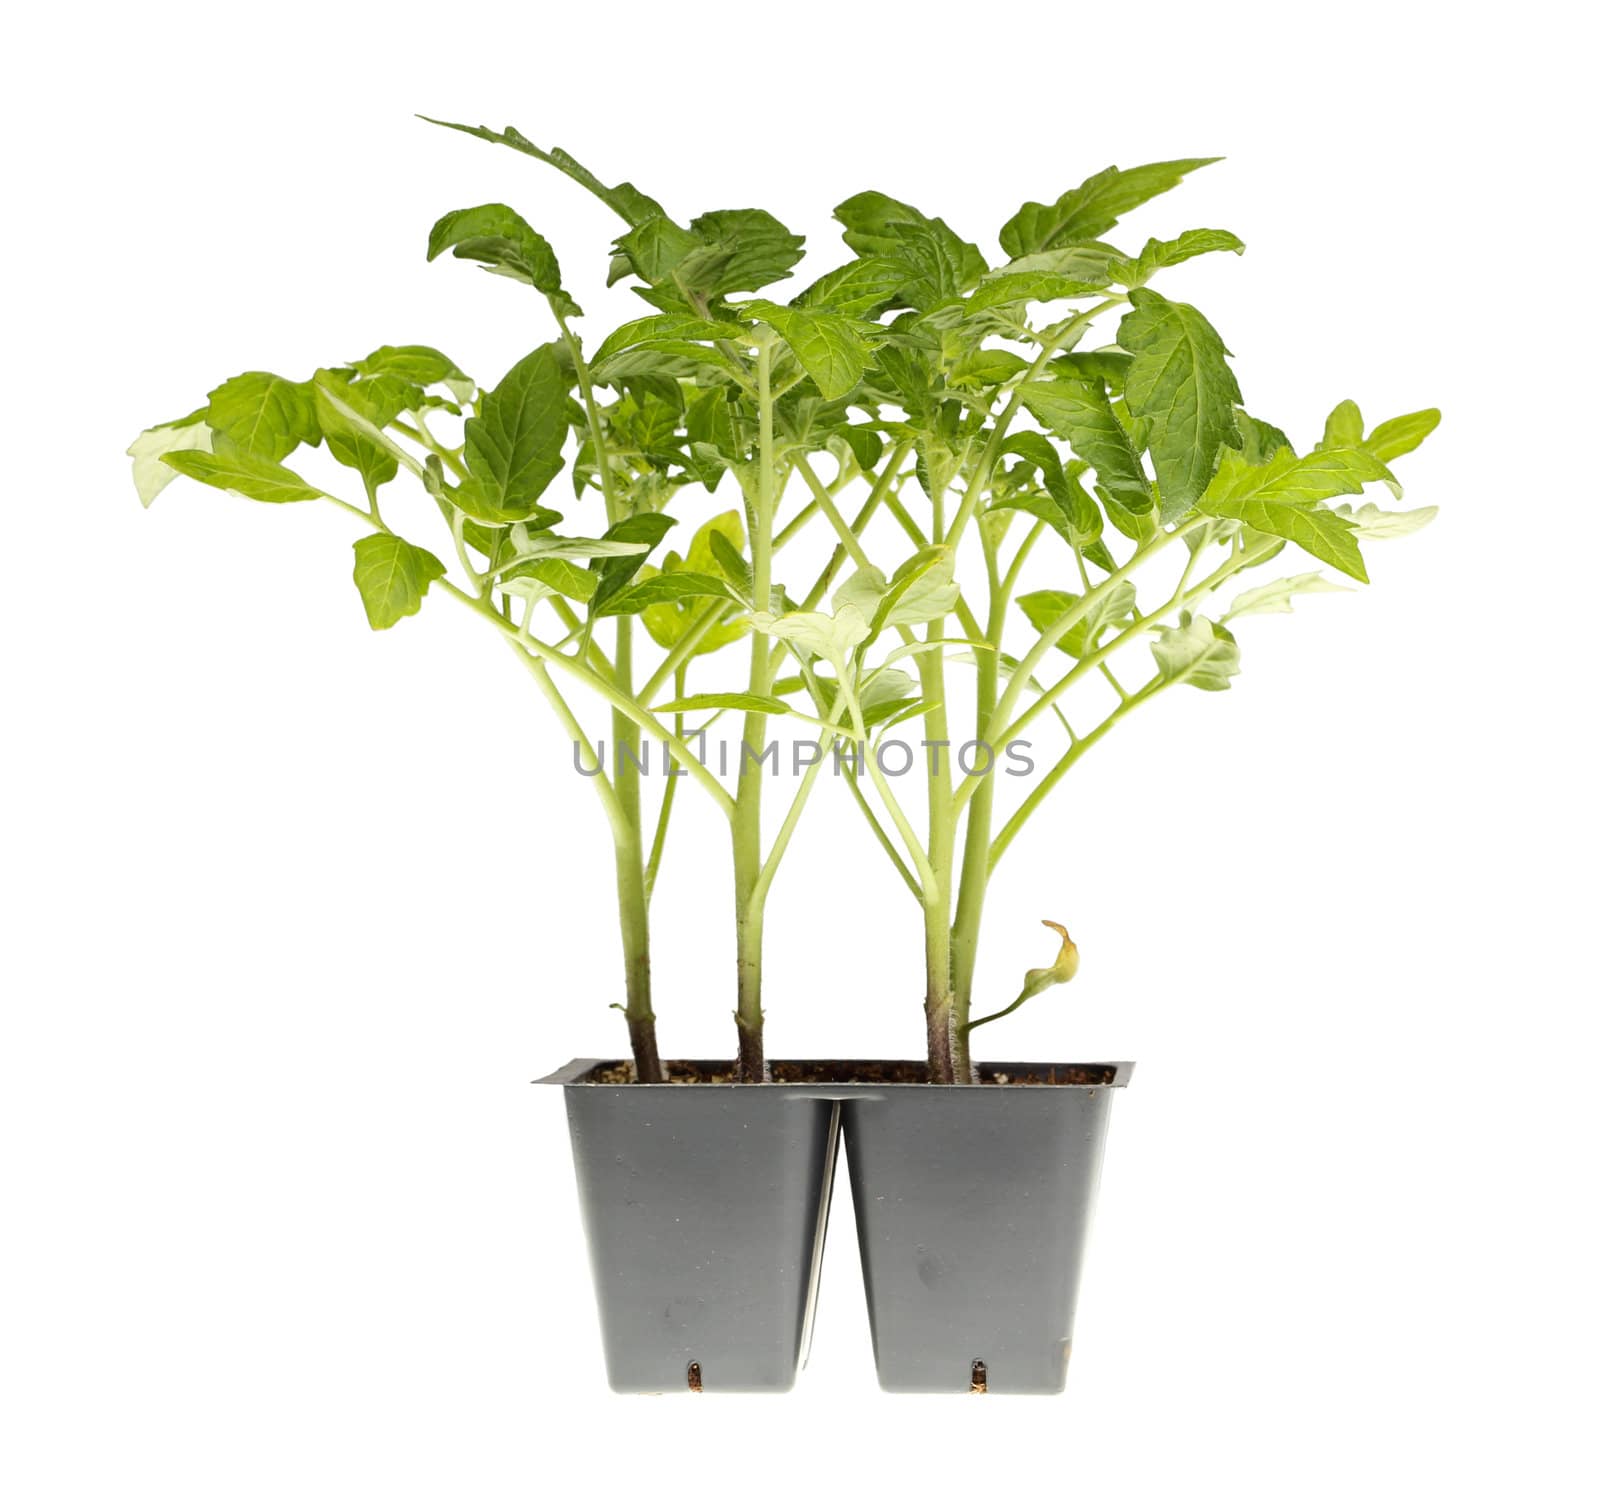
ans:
(706, 1206)
(972, 1209)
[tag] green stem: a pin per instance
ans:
(1080, 746)
(543, 653)
(880, 489)
(939, 1006)
(996, 732)
(658, 844)
(983, 1020)
(424, 436)
(1018, 560)
(830, 511)
(633, 894)
(780, 844)
(1049, 343)
(980, 816)
(633, 903)
(633, 907)
(929, 878)
(749, 907)
(908, 525)
(591, 409)
(1242, 560)
(884, 840)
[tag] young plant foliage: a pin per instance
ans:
(984, 490)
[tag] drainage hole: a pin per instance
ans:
(694, 1377)
(980, 1376)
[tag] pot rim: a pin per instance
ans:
(577, 1074)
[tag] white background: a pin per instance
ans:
(293, 912)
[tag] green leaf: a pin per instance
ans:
(883, 693)
(745, 249)
(625, 200)
(668, 621)
(921, 590)
(731, 564)
(1115, 608)
(1086, 212)
(497, 236)
(818, 635)
(545, 546)
(666, 586)
(1096, 553)
(856, 289)
(1181, 383)
(232, 469)
(827, 345)
(725, 251)
(264, 414)
(420, 365)
(1371, 522)
(986, 366)
(655, 247)
(1159, 254)
(861, 440)
(1278, 596)
(667, 360)
(646, 529)
(1068, 509)
(1343, 429)
(702, 557)
(1395, 437)
(1198, 651)
(392, 576)
(1081, 413)
(564, 577)
(513, 443)
(1110, 367)
(861, 590)
(935, 264)
(1261, 441)
(724, 701)
(675, 328)
(1002, 287)
(1139, 527)
(354, 414)
(150, 472)
(1280, 498)
(1299, 479)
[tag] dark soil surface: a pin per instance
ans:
(1031, 1075)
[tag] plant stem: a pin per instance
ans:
(1241, 560)
(1080, 746)
(980, 816)
(653, 865)
(1049, 343)
(749, 897)
(632, 900)
(633, 893)
(830, 510)
(633, 896)
(995, 731)
(939, 1005)
(583, 673)
(633, 906)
